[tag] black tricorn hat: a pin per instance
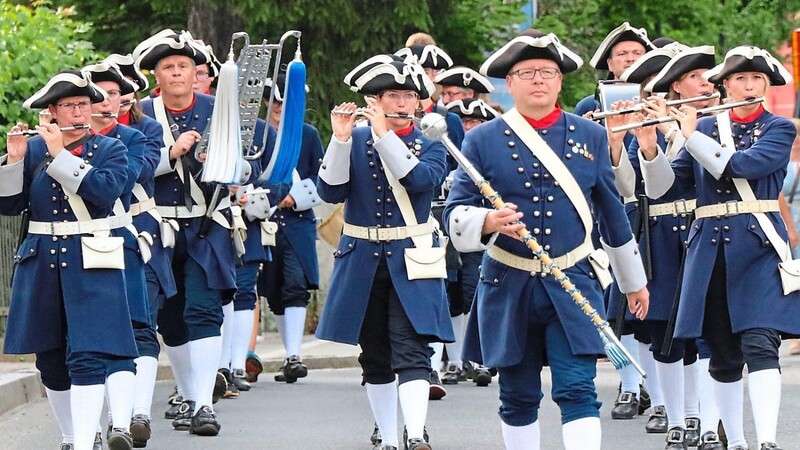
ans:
(747, 58)
(622, 33)
(68, 83)
(428, 56)
(530, 44)
(168, 43)
(651, 63)
(464, 77)
(383, 72)
(689, 59)
(129, 69)
(107, 72)
(474, 108)
(279, 85)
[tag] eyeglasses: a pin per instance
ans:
(201, 75)
(396, 96)
(529, 74)
(113, 94)
(83, 106)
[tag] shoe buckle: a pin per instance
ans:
(675, 437)
(625, 397)
(184, 408)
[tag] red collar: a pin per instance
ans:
(105, 130)
(181, 111)
(430, 107)
(405, 131)
(546, 121)
(125, 119)
(749, 118)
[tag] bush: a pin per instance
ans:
(35, 44)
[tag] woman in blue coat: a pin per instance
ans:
(731, 293)
(52, 175)
(372, 302)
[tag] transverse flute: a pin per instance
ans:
(34, 132)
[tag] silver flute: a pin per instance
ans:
(34, 132)
(702, 111)
(359, 112)
(640, 107)
(106, 115)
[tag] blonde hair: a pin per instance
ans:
(420, 38)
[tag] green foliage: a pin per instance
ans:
(35, 44)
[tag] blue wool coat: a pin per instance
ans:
(52, 296)
(755, 297)
(498, 324)
(214, 253)
(159, 257)
(368, 201)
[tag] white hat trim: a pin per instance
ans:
(467, 76)
(751, 53)
(703, 49)
(541, 42)
(68, 78)
(611, 36)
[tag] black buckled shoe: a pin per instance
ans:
(253, 367)
(205, 423)
(98, 441)
(676, 439)
(710, 441)
(644, 400)
(183, 420)
(240, 381)
(231, 391)
(451, 375)
(376, 437)
(482, 376)
(770, 446)
(119, 439)
(417, 444)
(657, 423)
(437, 391)
(425, 436)
(386, 447)
(220, 386)
(66, 446)
(692, 435)
(175, 404)
(626, 406)
(294, 368)
(140, 430)
(466, 371)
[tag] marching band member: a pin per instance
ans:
(120, 385)
(551, 191)
(459, 83)
(160, 283)
(735, 160)
(473, 112)
(68, 181)
(385, 174)
(294, 269)
(203, 253)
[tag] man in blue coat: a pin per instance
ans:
(68, 180)
(203, 254)
(385, 174)
(553, 170)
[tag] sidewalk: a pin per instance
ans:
(20, 382)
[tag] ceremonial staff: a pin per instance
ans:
(434, 127)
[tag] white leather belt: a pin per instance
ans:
(181, 212)
(535, 265)
(76, 227)
(673, 208)
(734, 207)
(143, 206)
(375, 234)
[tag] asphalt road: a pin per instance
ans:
(329, 410)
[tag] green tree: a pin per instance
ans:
(35, 44)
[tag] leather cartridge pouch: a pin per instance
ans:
(424, 263)
(268, 231)
(169, 228)
(601, 265)
(103, 252)
(790, 275)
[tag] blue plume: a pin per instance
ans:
(290, 132)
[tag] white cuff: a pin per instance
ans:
(466, 223)
(626, 262)
(164, 165)
(674, 147)
(11, 177)
(709, 153)
(657, 175)
(395, 155)
(247, 170)
(257, 206)
(335, 167)
(69, 170)
(624, 176)
(304, 193)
